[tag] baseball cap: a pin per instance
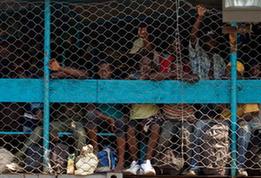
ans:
(240, 67)
(137, 45)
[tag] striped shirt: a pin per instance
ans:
(178, 111)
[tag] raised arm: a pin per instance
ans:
(67, 71)
(201, 10)
(104, 117)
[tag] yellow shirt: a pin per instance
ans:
(143, 111)
(241, 110)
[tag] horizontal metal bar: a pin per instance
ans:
(14, 133)
(128, 91)
(102, 134)
(28, 133)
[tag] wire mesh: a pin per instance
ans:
(128, 40)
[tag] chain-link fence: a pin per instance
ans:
(140, 125)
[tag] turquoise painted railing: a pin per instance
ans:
(129, 91)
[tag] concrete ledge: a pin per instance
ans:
(42, 176)
(109, 175)
(26, 176)
(114, 175)
(89, 176)
(13, 176)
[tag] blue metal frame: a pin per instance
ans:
(47, 54)
(233, 126)
(234, 113)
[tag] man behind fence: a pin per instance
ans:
(207, 64)
(143, 46)
(70, 117)
(147, 116)
(246, 114)
(210, 146)
(204, 57)
(112, 114)
(218, 143)
(254, 152)
(178, 118)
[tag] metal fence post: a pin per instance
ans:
(233, 103)
(47, 42)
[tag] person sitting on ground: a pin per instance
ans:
(68, 119)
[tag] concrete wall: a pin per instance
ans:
(108, 175)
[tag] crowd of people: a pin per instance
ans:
(200, 132)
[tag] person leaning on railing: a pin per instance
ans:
(214, 163)
(178, 118)
(63, 72)
(68, 120)
(207, 64)
(112, 114)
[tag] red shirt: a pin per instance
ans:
(168, 64)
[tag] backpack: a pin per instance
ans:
(107, 160)
(87, 161)
(6, 157)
